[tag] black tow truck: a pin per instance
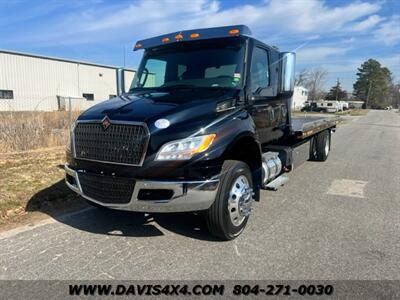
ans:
(205, 125)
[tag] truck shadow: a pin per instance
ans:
(64, 206)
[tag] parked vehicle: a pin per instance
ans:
(330, 106)
(313, 106)
(210, 130)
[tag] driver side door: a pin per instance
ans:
(267, 111)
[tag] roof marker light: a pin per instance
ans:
(138, 45)
(165, 40)
(194, 35)
(233, 31)
(179, 37)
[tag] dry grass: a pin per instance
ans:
(32, 147)
(350, 112)
(358, 112)
(32, 181)
(22, 131)
(353, 112)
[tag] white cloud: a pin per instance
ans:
(368, 23)
(389, 32)
(314, 16)
(392, 63)
(327, 34)
(150, 11)
(269, 20)
(318, 55)
(344, 66)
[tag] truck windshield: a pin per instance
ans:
(201, 64)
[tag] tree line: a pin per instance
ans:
(374, 86)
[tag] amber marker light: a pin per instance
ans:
(138, 45)
(233, 31)
(194, 35)
(165, 40)
(207, 141)
(179, 37)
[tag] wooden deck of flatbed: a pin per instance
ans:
(303, 127)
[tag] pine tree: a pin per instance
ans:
(336, 93)
(373, 84)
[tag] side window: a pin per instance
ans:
(259, 70)
(6, 94)
(88, 96)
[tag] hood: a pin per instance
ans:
(180, 106)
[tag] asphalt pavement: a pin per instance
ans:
(338, 219)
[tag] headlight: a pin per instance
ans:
(186, 148)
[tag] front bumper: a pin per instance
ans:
(187, 195)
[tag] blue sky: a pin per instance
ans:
(335, 35)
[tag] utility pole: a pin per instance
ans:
(124, 55)
(369, 90)
(337, 89)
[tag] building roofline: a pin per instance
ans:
(61, 59)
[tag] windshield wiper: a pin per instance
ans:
(191, 86)
(142, 89)
(178, 86)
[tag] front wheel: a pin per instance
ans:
(321, 146)
(228, 216)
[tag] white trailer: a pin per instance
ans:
(300, 95)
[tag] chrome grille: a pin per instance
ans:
(119, 143)
(107, 189)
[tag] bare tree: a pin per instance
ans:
(315, 83)
(302, 78)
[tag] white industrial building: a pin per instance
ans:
(33, 82)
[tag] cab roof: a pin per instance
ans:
(194, 34)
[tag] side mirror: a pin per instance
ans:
(288, 63)
(120, 81)
(250, 100)
(146, 74)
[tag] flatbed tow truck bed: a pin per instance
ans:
(303, 127)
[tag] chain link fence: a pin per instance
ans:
(31, 130)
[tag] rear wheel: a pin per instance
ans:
(228, 216)
(321, 146)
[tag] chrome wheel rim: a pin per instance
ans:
(240, 199)
(327, 146)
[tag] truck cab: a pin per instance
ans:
(205, 125)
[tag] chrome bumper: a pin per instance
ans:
(188, 195)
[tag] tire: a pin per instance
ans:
(219, 216)
(321, 146)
